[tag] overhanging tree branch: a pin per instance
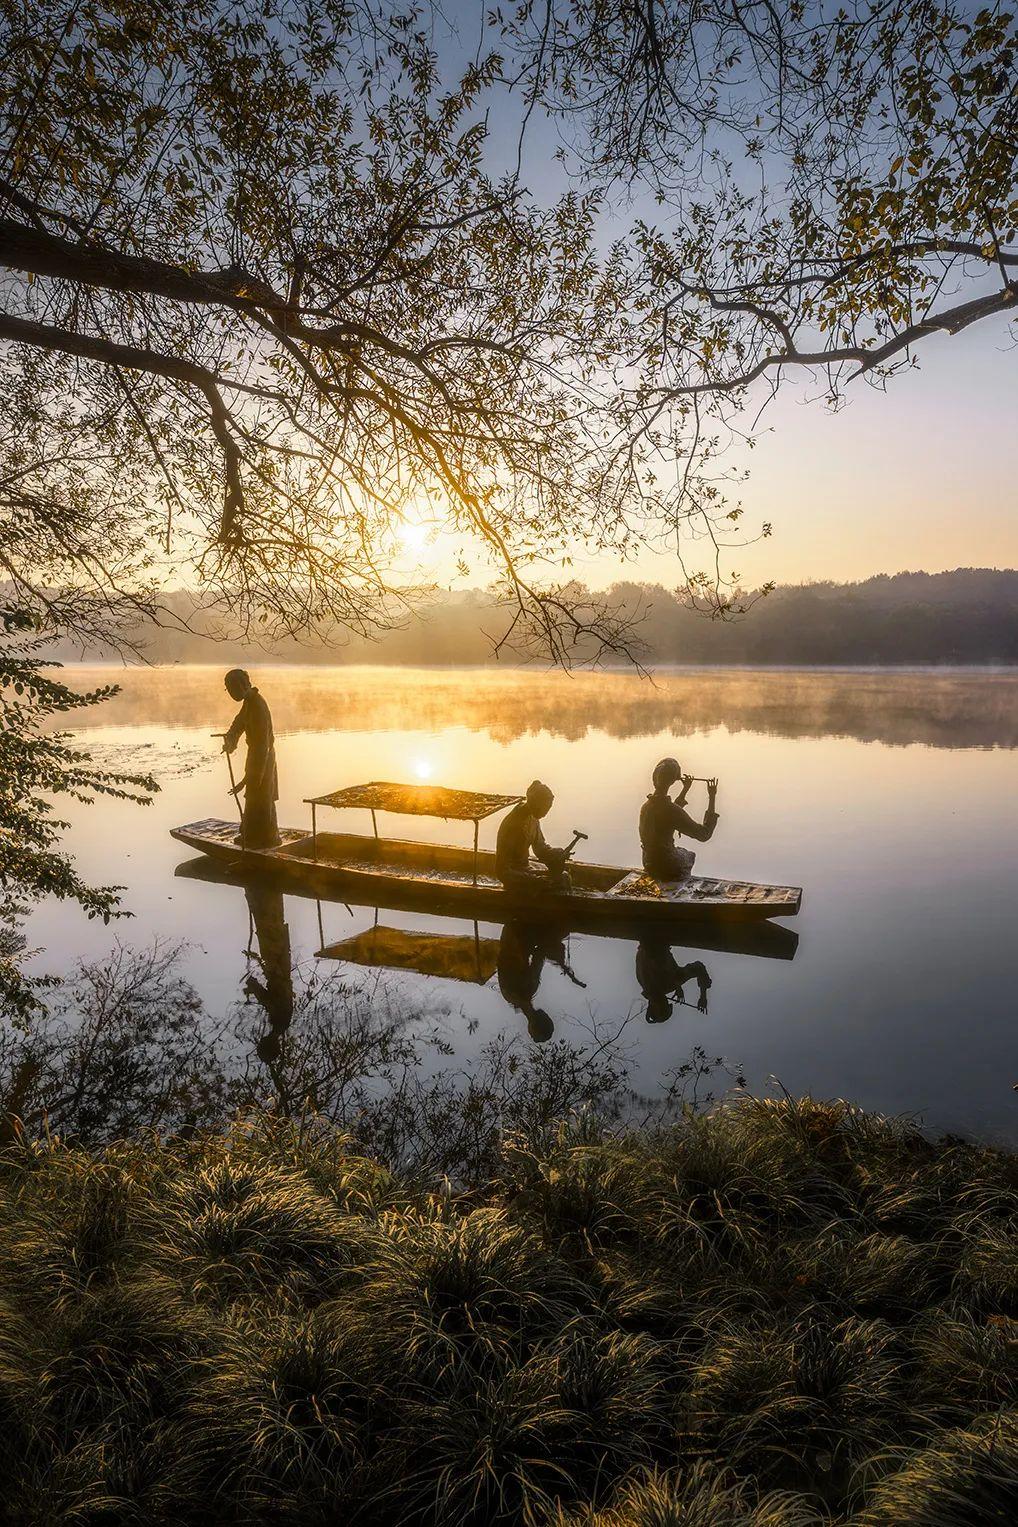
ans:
(866, 358)
(173, 368)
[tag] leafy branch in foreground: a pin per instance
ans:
(837, 178)
(266, 255)
(839, 185)
(36, 766)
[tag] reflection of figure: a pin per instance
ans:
(254, 724)
(520, 836)
(661, 818)
(275, 990)
(662, 978)
(523, 950)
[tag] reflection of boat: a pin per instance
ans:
(767, 940)
(372, 869)
(454, 956)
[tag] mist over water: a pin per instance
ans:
(951, 708)
(890, 797)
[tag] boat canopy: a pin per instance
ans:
(417, 800)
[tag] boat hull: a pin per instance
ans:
(436, 877)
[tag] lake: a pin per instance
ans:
(890, 797)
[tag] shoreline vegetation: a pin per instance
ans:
(968, 617)
(766, 1314)
(324, 1284)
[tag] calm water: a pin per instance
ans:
(890, 797)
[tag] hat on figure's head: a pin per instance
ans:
(238, 682)
(539, 1026)
(539, 798)
(666, 773)
(659, 1009)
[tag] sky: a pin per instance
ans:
(922, 476)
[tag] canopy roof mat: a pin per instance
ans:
(418, 800)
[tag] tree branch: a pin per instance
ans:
(949, 321)
(134, 358)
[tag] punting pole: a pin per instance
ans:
(233, 786)
(314, 831)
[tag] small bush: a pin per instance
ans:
(700, 1496)
(964, 1479)
(772, 1314)
(233, 1230)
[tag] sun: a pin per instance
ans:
(414, 536)
(423, 768)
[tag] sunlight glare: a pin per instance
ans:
(414, 536)
(423, 768)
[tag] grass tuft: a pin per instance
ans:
(770, 1314)
(700, 1496)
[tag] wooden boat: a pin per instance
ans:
(355, 867)
(764, 938)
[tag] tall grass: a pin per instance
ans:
(771, 1314)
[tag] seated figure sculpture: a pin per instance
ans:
(662, 817)
(520, 841)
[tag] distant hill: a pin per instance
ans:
(966, 616)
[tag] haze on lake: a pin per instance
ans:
(889, 796)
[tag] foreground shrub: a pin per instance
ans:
(232, 1230)
(771, 1314)
(965, 1479)
(697, 1497)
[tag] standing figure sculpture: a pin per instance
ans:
(258, 828)
(661, 818)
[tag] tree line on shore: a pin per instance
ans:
(969, 615)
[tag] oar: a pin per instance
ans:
(233, 782)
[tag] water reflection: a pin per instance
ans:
(863, 1013)
(518, 959)
(270, 981)
(523, 951)
(125, 1045)
(128, 1047)
(954, 708)
(662, 979)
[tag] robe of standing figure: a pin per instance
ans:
(261, 789)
